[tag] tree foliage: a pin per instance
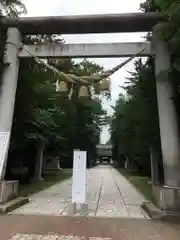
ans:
(42, 115)
(12, 8)
(135, 124)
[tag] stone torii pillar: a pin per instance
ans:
(7, 95)
(167, 196)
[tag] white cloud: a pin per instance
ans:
(82, 7)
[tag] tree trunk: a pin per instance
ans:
(39, 161)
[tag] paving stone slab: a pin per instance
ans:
(108, 194)
(53, 237)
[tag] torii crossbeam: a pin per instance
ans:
(81, 24)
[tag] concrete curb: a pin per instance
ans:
(157, 214)
(13, 204)
(152, 211)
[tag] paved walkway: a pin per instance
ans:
(109, 194)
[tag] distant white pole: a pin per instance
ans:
(7, 95)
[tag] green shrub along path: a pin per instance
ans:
(50, 178)
(142, 183)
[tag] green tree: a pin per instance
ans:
(12, 8)
(42, 115)
(135, 125)
(135, 121)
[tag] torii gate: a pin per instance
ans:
(167, 196)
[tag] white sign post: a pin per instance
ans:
(79, 179)
(4, 144)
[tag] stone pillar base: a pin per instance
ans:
(74, 208)
(84, 208)
(8, 190)
(167, 198)
(71, 209)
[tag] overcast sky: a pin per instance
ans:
(77, 7)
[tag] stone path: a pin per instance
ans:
(109, 194)
(53, 237)
(110, 197)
